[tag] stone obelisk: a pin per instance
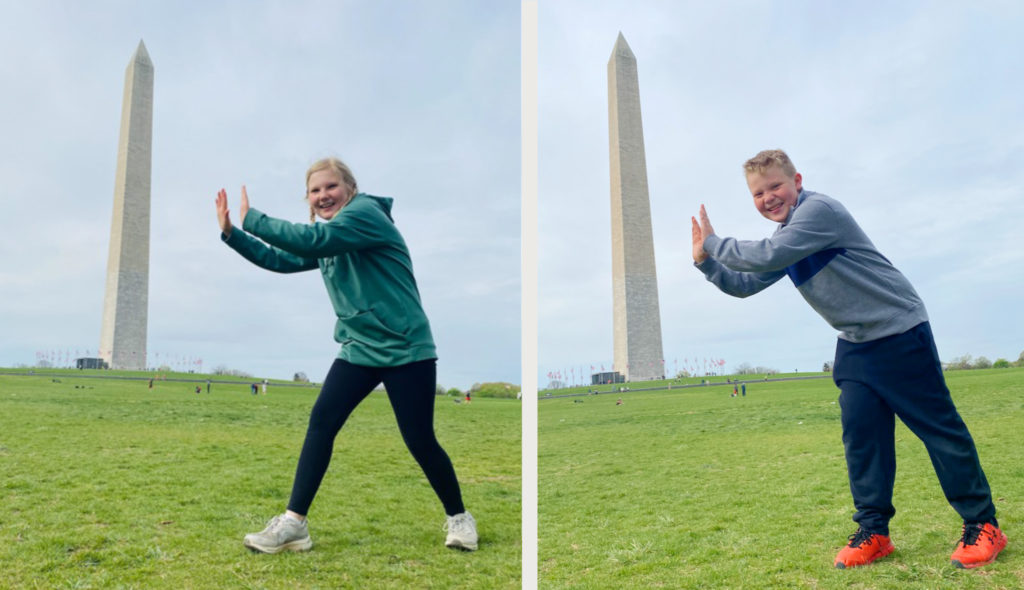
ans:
(125, 305)
(636, 318)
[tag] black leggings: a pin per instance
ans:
(411, 390)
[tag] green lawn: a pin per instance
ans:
(692, 488)
(105, 483)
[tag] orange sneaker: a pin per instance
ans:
(979, 545)
(863, 548)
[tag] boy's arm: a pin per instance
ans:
(350, 230)
(264, 256)
(812, 228)
(737, 284)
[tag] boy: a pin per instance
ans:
(886, 363)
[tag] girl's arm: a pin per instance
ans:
(361, 224)
(253, 250)
(265, 256)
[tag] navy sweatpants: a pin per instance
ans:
(901, 376)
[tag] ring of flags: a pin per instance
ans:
(578, 376)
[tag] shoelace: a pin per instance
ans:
(275, 524)
(971, 533)
(457, 524)
(278, 523)
(859, 538)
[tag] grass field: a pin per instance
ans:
(692, 488)
(107, 484)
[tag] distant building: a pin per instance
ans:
(91, 363)
(605, 378)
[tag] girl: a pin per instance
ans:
(383, 331)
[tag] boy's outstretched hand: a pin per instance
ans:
(701, 231)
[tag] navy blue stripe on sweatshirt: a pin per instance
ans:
(802, 271)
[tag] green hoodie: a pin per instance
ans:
(366, 267)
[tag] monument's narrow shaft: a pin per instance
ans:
(636, 317)
(125, 305)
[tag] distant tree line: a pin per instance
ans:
(747, 369)
(223, 370)
(965, 362)
(496, 389)
(959, 363)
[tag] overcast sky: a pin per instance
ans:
(910, 113)
(420, 98)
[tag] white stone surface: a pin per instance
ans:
(126, 303)
(635, 311)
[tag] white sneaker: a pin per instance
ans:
(461, 532)
(283, 533)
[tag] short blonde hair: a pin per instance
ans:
(340, 168)
(765, 159)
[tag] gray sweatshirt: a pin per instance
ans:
(832, 263)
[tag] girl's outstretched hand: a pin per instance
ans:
(245, 205)
(223, 217)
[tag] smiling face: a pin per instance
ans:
(775, 193)
(327, 193)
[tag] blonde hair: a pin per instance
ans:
(765, 159)
(338, 167)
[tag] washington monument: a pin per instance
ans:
(636, 319)
(125, 305)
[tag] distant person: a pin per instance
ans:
(207, 386)
(384, 334)
(151, 383)
(886, 362)
(743, 388)
(264, 385)
(469, 397)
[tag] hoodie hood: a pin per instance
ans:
(384, 203)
